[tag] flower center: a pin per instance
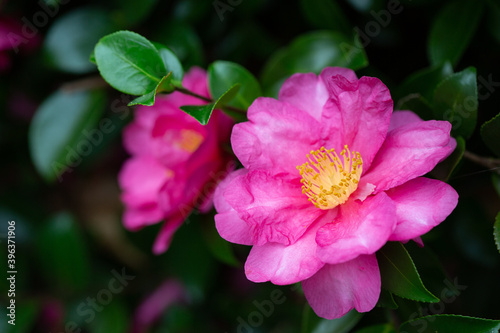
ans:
(327, 179)
(190, 140)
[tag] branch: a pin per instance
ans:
(488, 162)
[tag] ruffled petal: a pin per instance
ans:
(337, 289)
(274, 207)
(402, 118)
(357, 114)
(282, 264)
(360, 228)
(229, 225)
(277, 137)
(410, 151)
(421, 204)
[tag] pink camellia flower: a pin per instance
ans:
(176, 162)
(330, 175)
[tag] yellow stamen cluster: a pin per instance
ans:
(190, 140)
(328, 179)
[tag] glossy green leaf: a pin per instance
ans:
(452, 30)
(202, 113)
(171, 62)
(60, 245)
(399, 274)
(496, 231)
(380, 328)
(312, 52)
(386, 300)
(222, 75)
(490, 133)
(58, 134)
(149, 98)
(417, 104)
(450, 323)
(71, 38)
(424, 82)
(129, 62)
(326, 14)
(455, 100)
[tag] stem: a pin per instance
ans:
(488, 162)
(209, 100)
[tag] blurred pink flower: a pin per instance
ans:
(12, 38)
(176, 162)
(330, 175)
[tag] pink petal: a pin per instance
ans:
(421, 204)
(401, 118)
(135, 218)
(410, 151)
(307, 92)
(228, 223)
(164, 238)
(137, 140)
(282, 264)
(337, 289)
(274, 207)
(357, 114)
(277, 137)
(360, 228)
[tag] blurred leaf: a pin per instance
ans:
(131, 12)
(326, 14)
(493, 17)
(386, 300)
(340, 325)
(129, 62)
(424, 82)
(445, 169)
(362, 5)
(417, 104)
(455, 100)
(171, 62)
(380, 328)
(222, 75)
(71, 38)
(496, 231)
(149, 98)
(57, 132)
(452, 30)
(220, 248)
(25, 316)
(114, 318)
(490, 133)
(202, 113)
(62, 253)
(312, 52)
(399, 274)
(450, 323)
(183, 41)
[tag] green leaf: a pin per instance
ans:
(113, 318)
(380, 328)
(452, 30)
(455, 100)
(129, 62)
(171, 62)
(399, 274)
(496, 231)
(62, 253)
(71, 38)
(222, 75)
(450, 323)
(424, 82)
(495, 179)
(417, 104)
(386, 300)
(183, 41)
(326, 14)
(149, 98)
(57, 137)
(202, 113)
(312, 52)
(220, 248)
(490, 133)
(493, 17)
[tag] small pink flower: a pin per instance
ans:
(175, 164)
(330, 175)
